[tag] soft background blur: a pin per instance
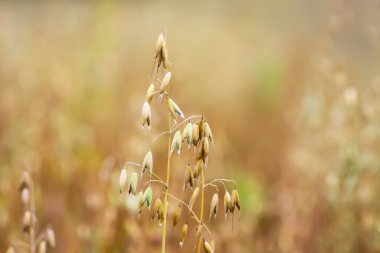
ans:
(291, 90)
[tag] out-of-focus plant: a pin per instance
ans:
(38, 242)
(195, 131)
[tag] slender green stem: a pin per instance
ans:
(202, 207)
(166, 204)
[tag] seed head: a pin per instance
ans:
(122, 179)
(164, 84)
(177, 214)
(202, 128)
(146, 115)
(157, 208)
(227, 202)
(50, 236)
(214, 205)
(147, 164)
(208, 133)
(141, 201)
(183, 235)
(198, 233)
(132, 183)
(25, 181)
(189, 177)
(26, 222)
(149, 93)
(174, 109)
(42, 247)
(148, 196)
(207, 247)
(176, 142)
(198, 168)
(193, 197)
(235, 199)
(187, 134)
(195, 134)
(25, 196)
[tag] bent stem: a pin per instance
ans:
(166, 204)
(202, 205)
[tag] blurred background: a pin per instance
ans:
(290, 88)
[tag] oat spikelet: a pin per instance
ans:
(176, 142)
(132, 184)
(122, 179)
(164, 84)
(27, 221)
(148, 194)
(208, 133)
(193, 197)
(177, 215)
(147, 164)
(214, 205)
(227, 202)
(235, 199)
(149, 93)
(207, 247)
(42, 247)
(189, 177)
(187, 134)
(183, 235)
(146, 115)
(50, 236)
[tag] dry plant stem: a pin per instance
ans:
(32, 234)
(202, 207)
(166, 189)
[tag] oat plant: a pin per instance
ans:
(36, 242)
(195, 133)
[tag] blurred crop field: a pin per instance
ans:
(290, 88)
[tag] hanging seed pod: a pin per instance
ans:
(183, 235)
(193, 197)
(160, 44)
(176, 142)
(141, 201)
(146, 115)
(205, 148)
(235, 199)
(148, 196)
(42, 247)
(25, 196)
(149, 93)
(174, 109)
(208, 133)
(187, 133)
(147, 164)
(195, 134)
(25, 181)
(202, 128)
(122, 179)
(132, 184)
(164, 84)
(177, 214)
(189, 177)
(214, 205)
(10, 250)
(198, 233)
(198, 168)
(156, 208)
(227, 202)
(207, 247)
(50, 236)
(26, 222)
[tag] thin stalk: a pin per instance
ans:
(166, 204)
(202, 207)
